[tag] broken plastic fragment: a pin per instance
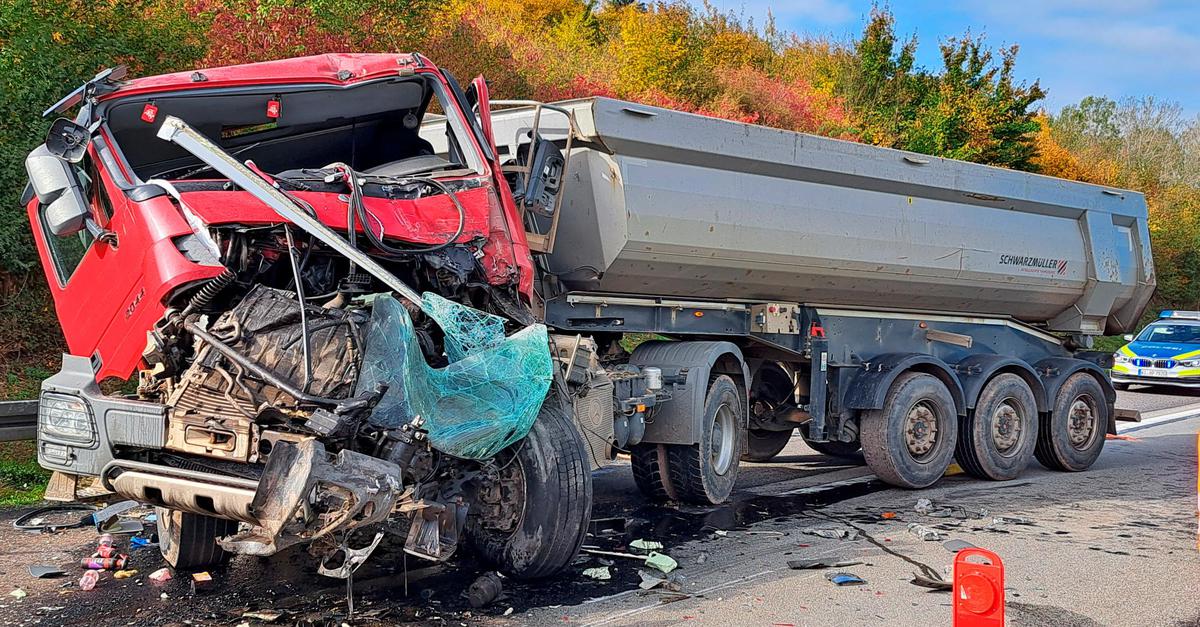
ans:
(125, 574)
(833, 534)
(924, 506)
(650, 581)
(925, 533)
(845, 579)
(599, 573)
(662, 562)
(819, 563)
(161, 575)
(18, 594)
(956, 545)
(646, 545)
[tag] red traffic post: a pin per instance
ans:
(978, 589)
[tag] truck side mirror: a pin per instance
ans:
(67, 140)
(57, 187)
(545, 177)
(1128, 337)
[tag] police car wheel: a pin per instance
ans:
(1072, 436)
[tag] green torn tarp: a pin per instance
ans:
(485, 399)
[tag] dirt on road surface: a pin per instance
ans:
(1115, 545)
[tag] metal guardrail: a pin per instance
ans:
(18, 420)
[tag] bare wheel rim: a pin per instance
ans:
(1007, 425)
(721, 443)
(1081, 423)
(921, 430)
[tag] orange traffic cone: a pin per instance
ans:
(978, 589)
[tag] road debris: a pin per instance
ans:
(819, 563)
(845, 579)
(45, 571)
(201, 582)
(484, 590)
(106, 520)
(18, 593)
(104, 563)
(138, 542)
(925, 533)
(927, 507)
(1011, 520)
(89, 579)
(933, 583)
(125, 574)
(161, 575)
(650, 581)
(702, 557)
(924, 506)
(36, 520)
(887, 515)
(956, 545)
(661, 561)
(599, 573)
(833, 533)
(646, 545)
(266, 616)
(607, 526)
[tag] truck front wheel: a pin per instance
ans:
(1072, 436)
(538, 521)
(189, 540)
(704, 473)
(910, 441)
(996, 440)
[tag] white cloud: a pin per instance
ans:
(792, 12)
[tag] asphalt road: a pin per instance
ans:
(1115, 545)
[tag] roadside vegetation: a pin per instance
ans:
(866, 88)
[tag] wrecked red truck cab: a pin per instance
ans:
(284, 395)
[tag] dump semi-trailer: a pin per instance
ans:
(350, 316)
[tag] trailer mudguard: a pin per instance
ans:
(975, 371)
(869, 388)
(1054, 371)
(690, 365)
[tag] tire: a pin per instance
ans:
(763, 445)
(1062, 445)
(189, 540)
(923, 399)
(552, 468)
(1121, 387)
(997, 439)
(650, 465)
(705, 473)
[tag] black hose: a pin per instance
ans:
(356, 208)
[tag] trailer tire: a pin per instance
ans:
(996, 440)
(910, 442)
(704, 473)
(1072, 436)
(649, 462)
(188, 540)
(552, 467)
(763, 445)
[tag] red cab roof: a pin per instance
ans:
(335, 68)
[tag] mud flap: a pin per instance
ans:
(304, 495)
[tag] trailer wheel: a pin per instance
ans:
(704, 473)
(1072, 436)
(536, 527)
(763, 445)
(910, 441)
(650, 465)
(996, 440)
(188, 540)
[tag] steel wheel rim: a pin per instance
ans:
(1007, 425)
(721, 440)
(921, 430)
(1081, 423)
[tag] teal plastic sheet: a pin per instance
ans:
(485, 399)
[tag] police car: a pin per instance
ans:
(1166, 352)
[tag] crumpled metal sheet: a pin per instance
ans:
(485, 399)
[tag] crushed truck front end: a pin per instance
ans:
(328, 318)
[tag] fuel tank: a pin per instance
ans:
(665, 203)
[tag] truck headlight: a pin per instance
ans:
(1118, 358)
(66, 418)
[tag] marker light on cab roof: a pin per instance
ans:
(1185, 315)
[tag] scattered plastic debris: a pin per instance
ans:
(662, 562)
(27, 522)
(18, 593)
(1011, 520)
(888, 515)
(834, 534)
(607, 526)
(646, 545)
(138, 542)
(924, 506)
(599, 573)
(125, 574)
(161, 575)
(508, 612)
(819, 563)
(650, 581)
(201, 582)
(928, 581)
(721, 533)
(702, 557)
(106, 520)
(45, 571)
(1121, 436)
(89, 579)
(924, 533)
(845, 579)
(484, 590)
(928, 508)
(266, 616)
(104, 563)
(612, 553)
(954, 546)
(151, 518)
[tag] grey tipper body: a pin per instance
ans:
(674, 204)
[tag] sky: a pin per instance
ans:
(1075, 48)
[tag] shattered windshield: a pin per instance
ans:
(375, 128)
